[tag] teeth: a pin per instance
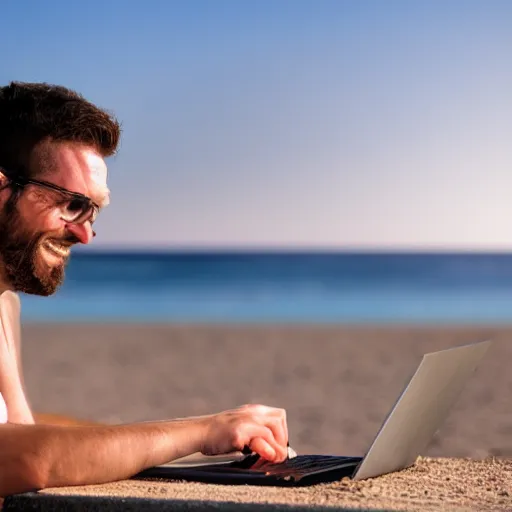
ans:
(57, 249)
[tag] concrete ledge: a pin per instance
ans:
(70, 503)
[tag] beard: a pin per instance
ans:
(22, 252)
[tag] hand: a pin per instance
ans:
(263, 429)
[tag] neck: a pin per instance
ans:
(4, 286)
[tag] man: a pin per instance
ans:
(53, 184)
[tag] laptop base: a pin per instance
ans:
(302, 470)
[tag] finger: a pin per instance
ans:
(270, 424)
(279, 452)
(279, 437)
(263, 448)
(279, 428)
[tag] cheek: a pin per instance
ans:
(51, 218)
(50, 223)
(41, 218)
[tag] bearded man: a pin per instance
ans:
(53, 185)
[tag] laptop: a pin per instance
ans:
(405, 433)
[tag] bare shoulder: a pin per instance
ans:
(10, 311)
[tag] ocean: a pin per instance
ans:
(243, 287)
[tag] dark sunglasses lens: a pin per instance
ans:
(75, 209)
(94, 214)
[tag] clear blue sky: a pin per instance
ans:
(289, 123)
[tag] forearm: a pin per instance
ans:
(39, 456)
(58, 419)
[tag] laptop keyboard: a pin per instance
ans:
(298, 466)
(299, 470)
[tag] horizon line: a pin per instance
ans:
(286, 249)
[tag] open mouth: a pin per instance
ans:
(56, 249)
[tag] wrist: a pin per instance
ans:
(203, 429)
(188, 435)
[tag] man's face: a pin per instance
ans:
(35, 241)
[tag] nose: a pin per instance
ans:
(83, 232)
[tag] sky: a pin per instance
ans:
(347, 124)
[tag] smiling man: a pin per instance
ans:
(53, 184)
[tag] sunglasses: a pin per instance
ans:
(75, 208)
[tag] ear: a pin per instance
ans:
(4, 180)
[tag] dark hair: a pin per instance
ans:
(33, 112)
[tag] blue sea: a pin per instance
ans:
(280, 288)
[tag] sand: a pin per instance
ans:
(432, 484)
(336, 383)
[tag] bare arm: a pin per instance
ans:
(12, 384)
(36, 453)
(58, 419)
(38, 456)
(11, 375)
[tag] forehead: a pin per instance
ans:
(75, 167)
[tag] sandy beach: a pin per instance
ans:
(336, 383)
